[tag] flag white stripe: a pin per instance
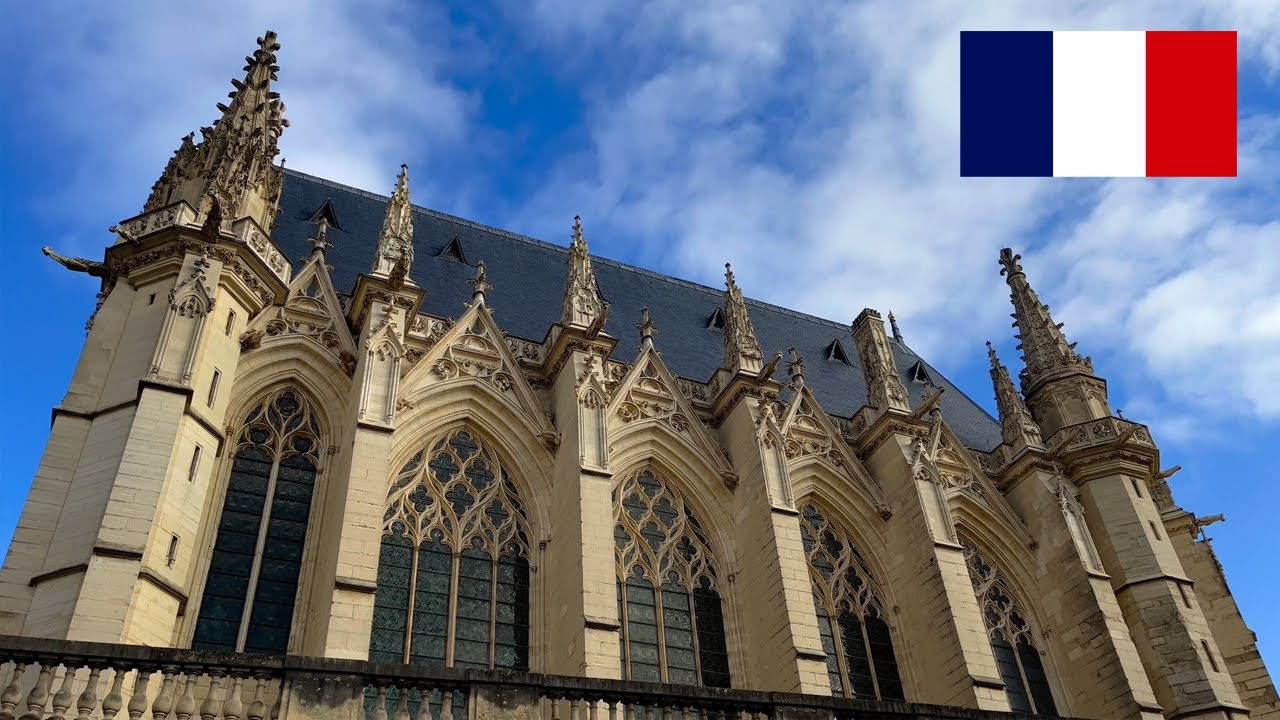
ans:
(1099, 104)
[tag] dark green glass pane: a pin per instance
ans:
(1036, 680)
(857, 664)
(1007, 664)
(882, 657)
(712, 653)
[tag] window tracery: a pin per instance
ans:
(249, 596)
(668, 597)
(1012, 639)
(455, 550)
(860, 658)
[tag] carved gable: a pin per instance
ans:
(649, 393)
(311, 311)
(960, 474)
(475, 349)
(807, 432)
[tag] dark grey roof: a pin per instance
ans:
(528, 278)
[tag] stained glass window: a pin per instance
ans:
(453, 574)
(249, 596)
(1012, 641)
(851, 626)
(668, 597)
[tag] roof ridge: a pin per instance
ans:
(562, 249)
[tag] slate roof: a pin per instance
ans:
(528, 279)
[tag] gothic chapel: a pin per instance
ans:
(317, 432)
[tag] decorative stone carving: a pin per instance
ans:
(395, 242)
(583, 308)
(1045, 349)
(884, 388)
(741, 348)
(1018, 430)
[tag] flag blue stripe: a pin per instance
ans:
(1006, 104)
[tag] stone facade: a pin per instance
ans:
(201, 316)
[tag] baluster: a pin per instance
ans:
(575, 709)
(275, 706)
(593, 708)
(555, 708)
(186, 699)
(39, 694)
(88, 699)
(233, 708)
(446, 704)
(212, 705)
(138, 700)
(258, 708)
(762, 716)
(12, 693)
(631, 709)
(402, 704)
(613, 709)
(62, 700)
(380, 704)
(114, 700)
(164, 699)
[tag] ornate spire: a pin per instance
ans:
(479, 284)
(231, 167)
(884, 388)
(395, 242)
(1017, 429)
(893, 327)
(583, 306)
(741, 349)
(795, 368)
(1045, 349)
(647, 329)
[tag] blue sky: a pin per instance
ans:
(813, 144)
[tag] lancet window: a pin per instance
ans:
(855, 636)
(1012, 641)
(668, 591)
(249, 596)
(453, 571)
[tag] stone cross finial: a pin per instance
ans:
(795, 367)
(479, 284)
(647, 328)
(1017, 428)
(320, 242)
(582, 307)
(741, 348)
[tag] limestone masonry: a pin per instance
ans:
(313, 421)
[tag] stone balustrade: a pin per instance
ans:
(60, 680)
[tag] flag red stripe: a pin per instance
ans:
(1191, 104)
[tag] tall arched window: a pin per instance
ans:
(257, 555)
(668, 601)
(860, 659)
(1012, 641)
(455, 550)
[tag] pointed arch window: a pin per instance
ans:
(453, 572)
(860, 658)
(1012, 641)
(668, 597)
(249, 596)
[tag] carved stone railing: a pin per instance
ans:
(58, 680)
(1102, 431)
(248, 232)
(179, 214)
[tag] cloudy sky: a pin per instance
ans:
(813, 144)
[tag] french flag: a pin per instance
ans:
(1098, 104)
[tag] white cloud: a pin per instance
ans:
(817, 146)
(363, 93)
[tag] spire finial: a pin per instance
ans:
(1044, 346)
(741, 348)
(479, 284)
(893, 327)
(233, 161)
(1017, 428)
(582, 307)
(647, 328)
(320, 242)
(795, 367)
(395, 242)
